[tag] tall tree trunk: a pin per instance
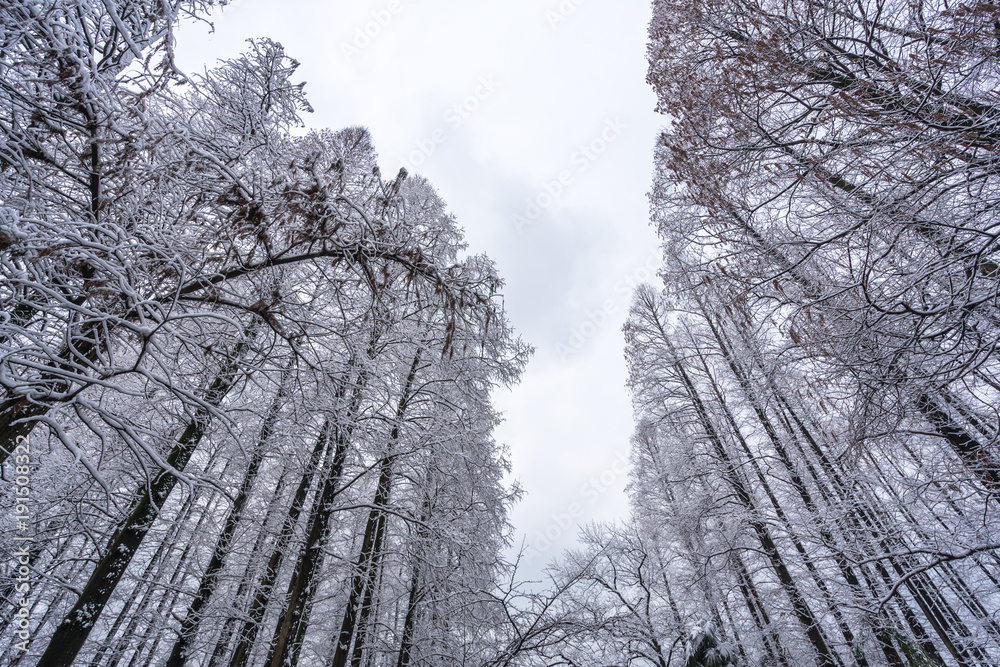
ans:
(146, 580)
(19, 414)
(758, 612)
(263, 590)
(410, 620)
(42, 610)
(841, 560)
(302, 586)
(210, 579)
(69, 637)
(810, 624)
(807, 559)
(309, 556)
(845, 495)
(939, 613)
(865, 520)
(176, 571)
(416, 594)
(371, 545)
(970, 451)
(247, 579)
(804, 614)
(368, 605)
(952, 578)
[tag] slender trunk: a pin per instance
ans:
(367, 605)
(146, 581)
(410, 621)
(865, 519)
(804, 614)
(945, 621)
(954, 580)
(841, 560)
(255, 615)
(301, 583)
(755, 605)
(210, 579)
(177, 570)
(744, 659)
(142, 595)
(371, 545)
(168, 602)
(69, 637)
(988, 431)
(810, 624)
(416, 594)
(844, 492)
(21, 409)
(968, 597)
(970, 451)
(42, 611)
(247, 577)
(804, 554)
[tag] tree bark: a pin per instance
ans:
(69, 637)
(210, 579)
(825, 655)
(971, 452)
(263, 590)
(371, 545)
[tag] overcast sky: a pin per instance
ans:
(533, 120)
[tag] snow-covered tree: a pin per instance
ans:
(240, 352)
(836, 164)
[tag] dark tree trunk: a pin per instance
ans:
(371, 545)
(176, 570)
(758, 612)
(69, 637)
(410, 621)
(146, 581)
(281, 650)
(972, 453)
(367, 605)
(209, 580)
(247, 579)
(19, 414)
(825, 655)
(263, 590)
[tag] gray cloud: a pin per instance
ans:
(558, 86)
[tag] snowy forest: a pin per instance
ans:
(247, 411)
